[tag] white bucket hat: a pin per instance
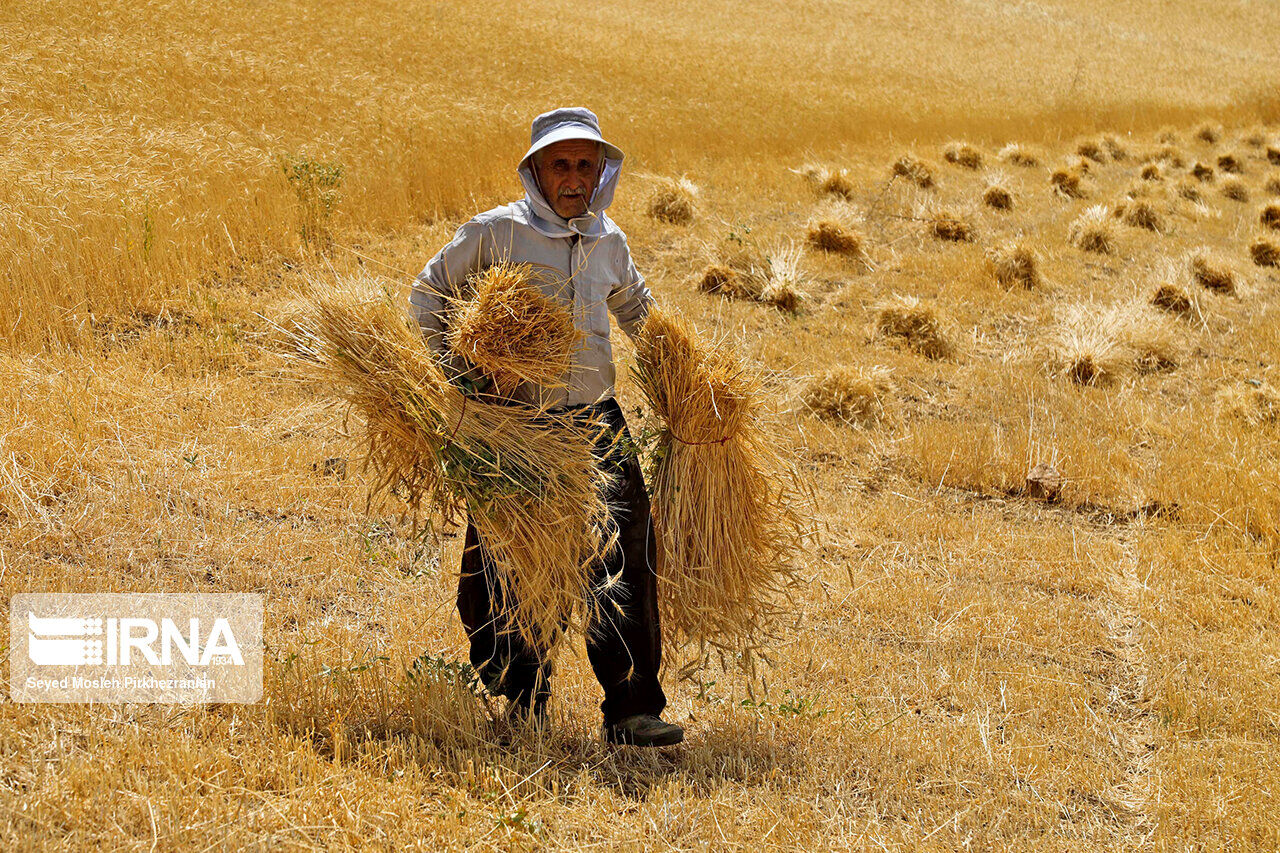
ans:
(568, 123)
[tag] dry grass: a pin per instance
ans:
(828, 181)
(1209, 133)
(1269, 216)
(947, 224)
(962, 154)
(1229, 162)
(1152, 172)
(832, 235)
(1116, 149)
(1093, 231)
(1189, 190)
(1211, 272)
(1144, 214)
(997, 195)
(774, 276)
(917, 171)
(1265, 253)
(1235, 189)
(918, 323)
(1253, 403)
(1203, 173)
(1175, 299)
(1067, 183)
(1097, 346)
(1015, 264)
(1016, 154)
(1091, 149)
(859, 396)
(507, 327)
(1272, 185)
(726, 517)
(674, 201)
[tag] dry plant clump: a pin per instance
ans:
(1189, 190)
(1230, 163)
(1151, 172)
(917, 171)
(947, 224)
(784, 279)
(1265, 253)
(1272, 185)
(1234, 189)
(1091, 150)
(962, 154)
(859, 396)
(1173, 298)
(1170, 155)
(1116, 149)
(997, 195)
(1167, 136)
(828, 181)
(1269, 216)
(1092, 231)
(1212, 273)
(725, 280)
(1015, 264)
(1273, 155)
(506, 326)
(1209, 133)
(1017, 155)
(1256, 138)
(918, 323)
(1143, 214)
(526, 478)
(725, 507)
(1251, 402)
(1095, 346)
(1202, 172)
(745, 271)
(674, 201)
(832, 235)
(1066, 182)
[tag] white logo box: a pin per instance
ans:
(145, 647)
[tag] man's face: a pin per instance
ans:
(567, 173)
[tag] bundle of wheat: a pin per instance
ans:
(1209, 133)
(1230, 163)
(1143, 214)
(915, 170)
(997, 194)
(1234, 189)
(673, 200)
(724, 499)
(1173, 298)
(855, 395)
(1015, 263)
(1211, 272)
(828, 181)
(962, 154)
(1090, 149)
(1264, 252)
(1269, 216)
(1017, 155)
(1092, 231)
(1252, 402)
(916, 322)
(1066, 183)
(947, 224)
(526, 477)
(1202, 172)
(504, 324)
(832, 235)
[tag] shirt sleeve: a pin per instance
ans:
(439, 281)
(630, 300)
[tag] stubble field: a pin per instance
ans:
(972, 666)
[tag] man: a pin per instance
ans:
(569, 174)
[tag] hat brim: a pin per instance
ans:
(560, 134)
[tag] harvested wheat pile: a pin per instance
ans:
(916, 322)
(1272, 185)
(1234, 189)
(1170, 155)
(1174, 299)
(828, 181)
(1151, 172)
(1092, 231)
(506, 326)
(1252, 402)
(1212, 273)
(1017, 155)
(526, 478)
(744, 271)
(1203, 173)
(962, 154)
(859, 396)
(673, 200)
(1273, 155)
(725, 280)
(1143, 214)
(1264, 252)
(832, 235)
(1230, 163)
(723, 497)
(1209, 133)
(785, 281)
(1015, 264)
(946, 224)
(1269, 216)
(1091, 150)
(1116, 149)
(997, 195)
(1094, 345)
(1189, 190)
(915, 170)
(1067, 183)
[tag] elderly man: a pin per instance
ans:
(569, 175)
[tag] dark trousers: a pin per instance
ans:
(624, 643)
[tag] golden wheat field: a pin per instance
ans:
(964, 239)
